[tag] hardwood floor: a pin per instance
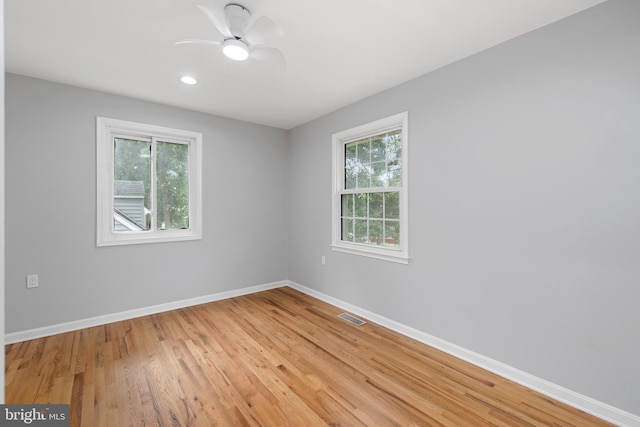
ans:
(274, 358)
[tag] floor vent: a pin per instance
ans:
(351, 319)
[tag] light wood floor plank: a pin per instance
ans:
(275, 358)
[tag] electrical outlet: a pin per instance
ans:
(32, 281)
(324, 260)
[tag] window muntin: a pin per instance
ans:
(370, 206)
(149, 183)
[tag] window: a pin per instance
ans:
(149, 183)
(370, 190)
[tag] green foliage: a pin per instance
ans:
(374, 162)
(172, 183)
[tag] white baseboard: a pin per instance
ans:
(562, 394)
(577, 400)
(131, 314)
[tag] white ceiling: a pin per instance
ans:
(338, 51)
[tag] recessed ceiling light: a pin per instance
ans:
(188, 80)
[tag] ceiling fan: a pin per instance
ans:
(241, 41)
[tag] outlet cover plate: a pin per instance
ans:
(32, 281)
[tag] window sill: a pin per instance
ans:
(117, 239)
(372, 253)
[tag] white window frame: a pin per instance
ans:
(106, 130)
(339, 140)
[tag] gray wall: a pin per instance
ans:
(51, 209)
(524, 205)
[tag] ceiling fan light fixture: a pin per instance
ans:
(235, 49)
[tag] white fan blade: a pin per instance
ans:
(270, 56)
(218, 20)
(196, 41)
(262, 31)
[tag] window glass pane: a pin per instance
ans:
(361, 205)
(364, 165)
(347, 229)
(364, 176)
(379, 177)
(364, 152)
(392, 205)
(395, 174)
(376, 232)
(347, 205)
(394, 146)
(374, 162)
(392, 233)
(375, 205)
(361, 231)
(378, 149)
(172, 185)
(131, 185)
(350, 166)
